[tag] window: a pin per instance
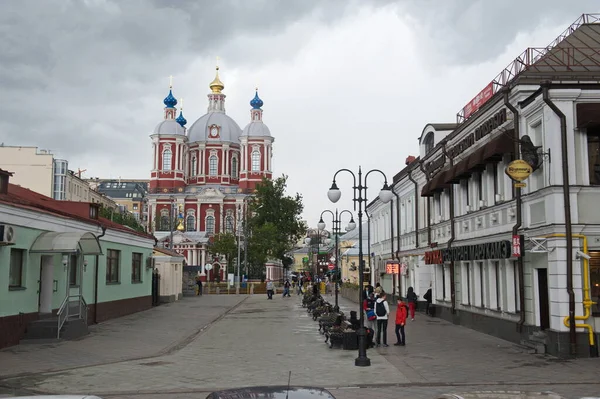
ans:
(595, 282)
(481, 285)
(593, 142)
(255, 161)
(517, 291)
(164, 220)
(166, 160)
(193, 171)
(229, 224)
(15, 274)
(480, 185)
(429, 141)
(190, 223)
(496, 179)
(466, 279)
(234, 168)
(210, 224)
(498, 285)
(73, 272)
(113, 258)
(212, 165)
(136, 267)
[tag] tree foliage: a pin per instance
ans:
(125, 219)
(274, 224)
(225, 244)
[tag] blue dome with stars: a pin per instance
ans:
(180, 119)
(170, 101)
(256, 102)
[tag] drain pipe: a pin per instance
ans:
(398, 235)
(519, 211)
(416, 208)
(96, 278)
(567, 206)
(428, 209)
(452, 235)
(369, 245)
(392, 224)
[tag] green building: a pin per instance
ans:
(63, 267)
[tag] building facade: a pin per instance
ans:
(200, 176)
(62, 264)
(40, 171)
(506, 255)
(131, 195)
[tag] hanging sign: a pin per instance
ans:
(518, 170)
(392, 267)
(516, 246)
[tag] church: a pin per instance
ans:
(202, 174)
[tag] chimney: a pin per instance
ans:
(4, 178)
(410, 159)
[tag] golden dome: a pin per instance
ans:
(180, 226)
(216, 85)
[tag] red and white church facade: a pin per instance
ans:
(202, 174)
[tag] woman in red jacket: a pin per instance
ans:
(401, 315)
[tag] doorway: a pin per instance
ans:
(46, 288)
(542, 275)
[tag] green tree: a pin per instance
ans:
(274, 224)
(158, 225)
(225, 244)
(125, 219)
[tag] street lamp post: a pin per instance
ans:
(360, 197)
(239, 237)
(172, 198)
(336, 230)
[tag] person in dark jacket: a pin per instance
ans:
(411, 298)
(428, 298)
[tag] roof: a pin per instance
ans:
(168, 252)
(26, 199)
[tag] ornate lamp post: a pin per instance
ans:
(360, 197)
(336, 230)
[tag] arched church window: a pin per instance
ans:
(190, 223)
(429, 141)
(210, 224)
(166, 160)
(194, 166)
(164, 220)
(255, 161)
(234, 168)
(229, 224)
(212, 165)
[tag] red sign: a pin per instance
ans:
(516, 246)
(434, 257)
(392, 267)
(480, 99)
(331, 266)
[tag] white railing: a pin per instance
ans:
(65, 313)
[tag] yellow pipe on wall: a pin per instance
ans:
(587, 300)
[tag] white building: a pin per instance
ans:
(497, 256)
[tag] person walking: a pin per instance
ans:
(428, 297)
(286, 288)
(401, 315)
(382, 310)
(411, 298)
(199, 284)
(369, 309)
(270, 289)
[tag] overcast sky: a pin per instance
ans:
(344, 83)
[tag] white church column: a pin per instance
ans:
(198, 217)
(156, 151)
(203, 261)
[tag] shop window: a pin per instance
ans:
(593, 141)
(15, 274)
(516, 285)
(481, 278)
(595, 282)
(136, 267)
(498, 285)
(466, 283)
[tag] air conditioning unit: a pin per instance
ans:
(7, 235)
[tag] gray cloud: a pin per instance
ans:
(465, 32)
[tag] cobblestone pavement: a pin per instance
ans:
(260, 341)
(144, 334)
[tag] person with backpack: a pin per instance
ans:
(411, 298)
(382, 310)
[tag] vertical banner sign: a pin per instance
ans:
(391, 267)
(516, 246)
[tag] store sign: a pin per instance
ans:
(481, 98)
(516, 246)
(480, 132)
(432, 167)
(488, 250)
(518, 170)
(392, 267)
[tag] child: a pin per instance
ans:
(401, 315)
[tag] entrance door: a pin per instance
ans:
(46, 284)
(543, 298)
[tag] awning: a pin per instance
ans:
(491, 152)
(53, 242)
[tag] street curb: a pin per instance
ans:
(165, 351)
